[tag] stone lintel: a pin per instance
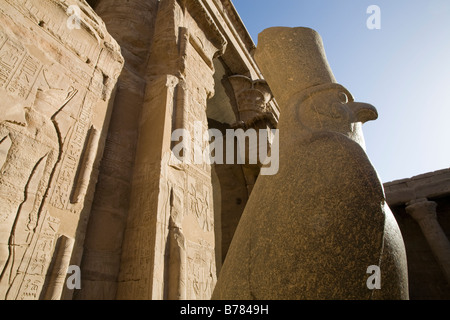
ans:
(424, 212)
(205, 20)
(430, 185)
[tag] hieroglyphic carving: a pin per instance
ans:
(198, 44)
(25, 179)
(91, 43)
(25, 77)
(201, 270)
(28, 280)
(200, 201)
(177, 249)
(11, 55)
(214, 43)
(50, 79)
(186, 40)
(40, 133)
(60, 265)
(22, 229)
(72, 154)
(51, 17)
(18, 69)
(86, 166)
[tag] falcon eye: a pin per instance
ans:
(343, 97)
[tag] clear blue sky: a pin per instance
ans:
(403, 69)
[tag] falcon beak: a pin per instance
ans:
(363, 112)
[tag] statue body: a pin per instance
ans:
(313, 230)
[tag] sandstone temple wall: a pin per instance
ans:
(421, 205)
(56, 85)
(91, 92)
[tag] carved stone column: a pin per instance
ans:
(131, 23)
(424, 212)
(160, 259)
(253, 99)
(57, 279)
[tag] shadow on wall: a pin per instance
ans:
(426, 280)
(92, 3)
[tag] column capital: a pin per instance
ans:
(421, 209)
(424, 212)
(253, 98)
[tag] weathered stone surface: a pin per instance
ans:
(55, 87)
(127, 22)
(170, 222)
(421, 206)
(430, 185)
(424, 213)
(313, 230)
(252, 97)
(158, 229)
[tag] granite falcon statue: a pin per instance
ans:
(314, 230)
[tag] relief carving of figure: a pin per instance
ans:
(200, 204)
(34, 149)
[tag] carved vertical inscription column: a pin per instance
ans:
(168, 250)
(424, 212)
(60, 266)
(131, 23)
(55, 88)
